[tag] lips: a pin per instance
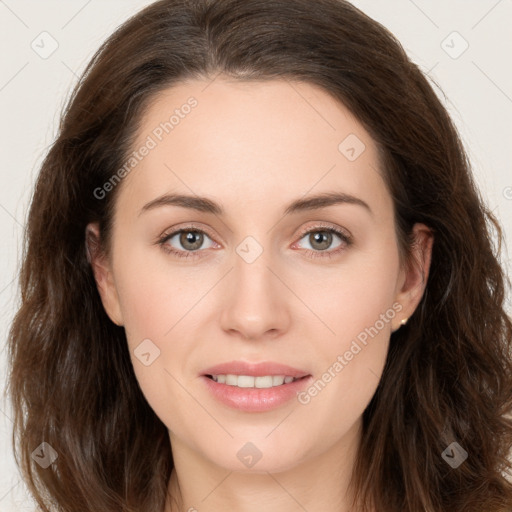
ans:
(254, 387)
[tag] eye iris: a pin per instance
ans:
(324, 238)
(191, 237)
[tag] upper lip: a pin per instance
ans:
(255, 369)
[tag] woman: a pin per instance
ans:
(333, 338)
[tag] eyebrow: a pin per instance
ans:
(203, 204)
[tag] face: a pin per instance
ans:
(282, 261)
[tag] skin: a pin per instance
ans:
(254, 147)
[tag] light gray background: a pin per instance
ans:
(475, 86)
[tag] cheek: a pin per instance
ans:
(350, 360)
(352, 297)
(154, 296)
(154, 304)
(357, 305)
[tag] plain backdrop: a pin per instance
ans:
(464, 46)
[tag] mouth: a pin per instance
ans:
(254, 387)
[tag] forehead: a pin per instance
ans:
(252, 142)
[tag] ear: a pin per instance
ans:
(102, 271)
(413, 278)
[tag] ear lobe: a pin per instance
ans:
(102, 273)
(416, 273)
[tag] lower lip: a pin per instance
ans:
(255, 399)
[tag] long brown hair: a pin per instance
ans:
(448, 376)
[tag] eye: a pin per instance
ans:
(188, 241)
(320, 239)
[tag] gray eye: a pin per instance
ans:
(320, 240)
(189, 240)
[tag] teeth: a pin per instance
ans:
(232, 380)
(277, 380)
(248, 381)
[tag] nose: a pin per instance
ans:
(256, 304)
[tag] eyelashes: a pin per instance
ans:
(183, 253)
(196, 237)
(345, 241)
